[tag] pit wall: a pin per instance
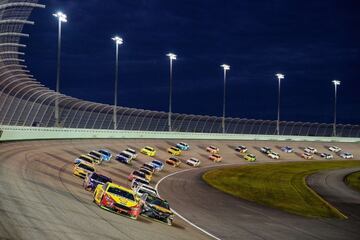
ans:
(15, 133)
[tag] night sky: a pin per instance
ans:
(311, 42)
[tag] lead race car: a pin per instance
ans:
(118, 199)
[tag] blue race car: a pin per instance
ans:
(92, 180)
(183, 146)
(287, 149)
(157, 164)
(106, 154)
(124, 157)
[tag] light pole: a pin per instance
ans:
(172, 57)
(279, 76)
(226, 68)
(336, 83)
(61, 18)
(118, 41)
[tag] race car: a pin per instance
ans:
(98, 157)
(84, 158)
(193, 162)
(145, 189)
(287, 149)
(151, 152)
(173, 162)
(123, 157)
(131, 152)
(346, 155)
(157, 164)
(215, 157)
(327, 156)
(148, 167)
(106, 154)
(137, 182)
(213, 149)
(183, 146)
(307, 155)
(118, 199)
(148, 174)
(335, 149)
(157, 208)
(93, 179)
(241, 149)
(273, 155)
(310, 150)
(136, 174)
(265, 150)
(250, 157)
(82, 169)
(174, 151)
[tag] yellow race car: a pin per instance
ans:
(148, 151)
(118, 199)
(82, 169)
(250, 157)
(148, 174)
(174, 151)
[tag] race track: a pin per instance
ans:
(41, 199)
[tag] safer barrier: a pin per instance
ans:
(14, 133)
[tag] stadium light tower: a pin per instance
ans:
(172, 57)
(61, 18)
(118, 41)
(226, 68)
(279, 76)
(336, 83)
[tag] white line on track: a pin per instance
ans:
(182, 217)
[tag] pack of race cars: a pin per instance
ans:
(143, 199)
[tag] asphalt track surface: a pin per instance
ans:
(41, 199)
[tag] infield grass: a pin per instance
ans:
(353, 180)
(280, 185)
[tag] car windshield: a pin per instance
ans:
(100, 178)
(194, 159)
(145, 171)
(121, 193)
(150, 149)
(104, 153)
(146, 190)
(139, 174)
(157, 201)
(95, 154)
(85, 159)
(125, 155)
(141, 181)
(157, 162)
(86, 167)
(148, 166)
(130, 150)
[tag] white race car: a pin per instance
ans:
(335, 149)
(131, 152)
(310, 150)
(141, 189)
(347, 155)
(327, 155)
(193, 162)
(273, 155)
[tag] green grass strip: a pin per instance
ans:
(280, 185)
(353, 180)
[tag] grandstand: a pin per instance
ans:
(26, 102)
